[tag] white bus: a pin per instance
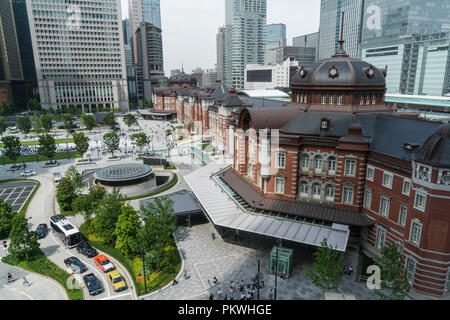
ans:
(56, 178)
(66, 231)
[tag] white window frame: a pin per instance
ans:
(384, 211)
(339, 100)
(259, 178)
(324, 99)
(415, 237)
(316, 186)
(283, 184)
(334, 161)
(420, 208)
(303, 194)
(370, 177)
(281, 160)
(331, 99)
(405, 182)
(410, 274)
(399, 246)
(306, 158)
(391, 181)
(318, 160)
(353, 167)
(402, 214)
(373, 99)
(367, 198)
(330, 187)
(346, 190)
(380, 240)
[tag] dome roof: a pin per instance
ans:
(340, 70)
(182, 78)
(436, 149)
(123, 172)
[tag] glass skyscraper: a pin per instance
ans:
(245, 37)
(276, 33)
(144, 11)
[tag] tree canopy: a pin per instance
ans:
(3, 126)
(12, 148)
(109, 119)
(128, 225)
(81, 143)
(111, 140)
(141, 139)
(68, 122)
(46, 122)
(107, 214)
(24, 124)
(22, 241)
(130, 119)
(89, 121)
(47, 145)
(6, 216)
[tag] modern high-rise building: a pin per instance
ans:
(10, 64)
(245, 37)
(79, 53)
(221, 58)
(330, 24)
(304, 55)
(209, 78)
(25, 47)
(144, 11)
(276, 33)
(126, 31)
(307, 40)
(148, 54)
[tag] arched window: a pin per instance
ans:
(318, 163)
(329, 192)
(305, 162)
(332, 165)
(316, 190)
(303, 189)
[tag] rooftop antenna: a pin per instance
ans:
(341, 51)
(182, 67)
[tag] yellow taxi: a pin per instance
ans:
(117, 281)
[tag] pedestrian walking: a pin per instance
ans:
(10, 277)
(249, 295)
(213, 236)
(271, 294)
(215, 281)
(209, 284)
(242, 296)
(185, 274)
(25, 282)
(262, 280)
(219, 293)
(231, 296)
(211, 296)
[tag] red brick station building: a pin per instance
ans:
(343, 157)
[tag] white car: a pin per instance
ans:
(28, 173)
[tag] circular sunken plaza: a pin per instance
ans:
(124, 175)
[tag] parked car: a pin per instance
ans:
(42, 230)
(75, 264)
(28, 173)
(117, 281)
(85, 249)
(93, 284)
(103, 263)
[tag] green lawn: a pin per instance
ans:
(36, 142)
(34, 158)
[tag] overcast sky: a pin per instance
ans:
(190, 26)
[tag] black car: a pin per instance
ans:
(93, 284)
(75, 264)
(85, 249)
(42, 230)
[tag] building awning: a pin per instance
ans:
(225, 211)
(183, 203)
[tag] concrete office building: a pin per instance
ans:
(143, 11)
(148, 54)
(330, 22)
(307, 40)
(276, 33)
(209, 78)
(418, 65)
(245, 37)
(221, 59)
(79, 54)
(304, 55)
(11, 76)
(269, 77)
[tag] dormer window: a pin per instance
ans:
(324, 99)
(331, 99)
(324, 124)
(339, 100)
(303, 72)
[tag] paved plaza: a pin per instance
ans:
(231, 260)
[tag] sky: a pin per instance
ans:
(189, 27)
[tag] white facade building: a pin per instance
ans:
(269, 77)
(79, 53)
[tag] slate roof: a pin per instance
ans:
(436, 149)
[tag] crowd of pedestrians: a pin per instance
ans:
(235, 291)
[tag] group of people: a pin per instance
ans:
(235, 291)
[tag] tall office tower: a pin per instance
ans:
(126, 31)
(79, 53)
(304, 55)
(143, 11)
(389, 20)
(276, 34)
(221, 59)
(128, 55)
(209, 78)
(308, 40)
(148, 54)
(10, 64)
(245, 37)
(25, 47)
(330, 24)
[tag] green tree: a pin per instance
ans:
(81, 143)
(160, 223)
(109, 119)
(65, 194)
(24, 124)
(328, 270)
(89, 121)
(141, 139)
(86, 205)
(7, 108)
(394, 282)
(127, 227)
(107, 214)
(46, 122)
(23, 242)
(34, 105)
(68, 122)
(130, 119)
(75, 178)
(111, 140)
(47, 146)
(6, 216)
(12, 148)
(3, 126)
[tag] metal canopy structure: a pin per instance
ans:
(183, 203)
(224, 211)
(124, 172)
